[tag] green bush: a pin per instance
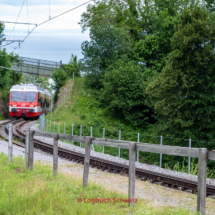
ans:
(124, 93)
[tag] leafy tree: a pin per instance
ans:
(4, 73)
(1, 32)
(74, 65)
(7, 78)
(107, 45)
(183, 94)
(124, 93)
(152, 49)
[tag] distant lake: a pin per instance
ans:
(54, 47)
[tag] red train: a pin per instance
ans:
(29, 101)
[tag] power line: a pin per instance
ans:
(51, 19)
(17, 18)
(7, 44)
(11, 40)
(22, 23)
(25, 38)
(64, 13)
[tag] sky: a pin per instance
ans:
(38, 11)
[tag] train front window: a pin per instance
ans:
(23, 96)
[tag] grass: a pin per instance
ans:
(1, 117)
(82, 108)
(38, 192)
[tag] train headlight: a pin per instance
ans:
(14, 105)
(31, 105)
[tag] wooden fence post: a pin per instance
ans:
(31, 150)
(27, 148)
(202, 169)
(86, 161)
(10, 142)
(55, 154)
(132, 153)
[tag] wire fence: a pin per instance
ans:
(57, 127)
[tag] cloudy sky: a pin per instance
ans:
(37, 11)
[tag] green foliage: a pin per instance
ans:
(4, 73)
(152, 49)
(83, 108)
(1, 32)
(59, 76)
(124, 93)
(7, 77)
(182, 167)
(43, 81)
(74, 66)
(107, 45)
(1, 117)
(183, 94)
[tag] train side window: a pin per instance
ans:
(39, 99)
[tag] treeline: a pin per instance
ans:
(61, 75)
(152, 63)
(7, 77)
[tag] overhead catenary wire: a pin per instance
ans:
(52, 19)
(19, 23)
(17, 19)
(63, 13)
(7, 44)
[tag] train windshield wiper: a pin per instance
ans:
(13, 99)
(32, 100)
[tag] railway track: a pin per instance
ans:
(104, 165)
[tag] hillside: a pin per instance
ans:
(82, 108)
